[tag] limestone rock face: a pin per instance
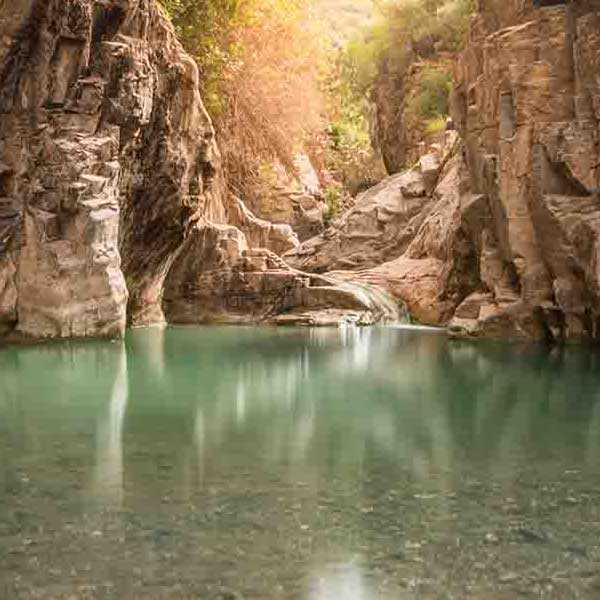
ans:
(509, 247)
(113, 208)
(106, 158)
(379, 227)
(528, 107)
(112, 201)
(506, 245)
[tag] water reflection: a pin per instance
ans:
(346, 581)
(108, 479)
(352, 463)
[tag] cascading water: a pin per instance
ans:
(383, 307)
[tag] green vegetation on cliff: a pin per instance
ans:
(260, 68)
(274, 82)
(403, 27)
(398, 70)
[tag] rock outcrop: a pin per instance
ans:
(107, 156)
(437, 269)
(379, 226)
(111, 193)
(507, 245)
(528, 107)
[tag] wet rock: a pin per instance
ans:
(435, 270)
(532, 536)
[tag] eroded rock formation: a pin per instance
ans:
(528, 108)
(408, 236)
(107, 157)
(110, 182)
(507, 245)
(219, 278)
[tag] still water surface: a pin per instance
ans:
(352, 464)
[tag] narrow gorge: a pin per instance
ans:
(299, 299)
(114, 211)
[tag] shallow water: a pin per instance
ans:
(351, 464)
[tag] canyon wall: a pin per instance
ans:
(113, 209)
(527, 105)
(506, 245)
(107, 159)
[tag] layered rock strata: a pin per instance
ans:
(113, 209)
(110, 179)
(409, 236)
(528, 106)
(107, 157)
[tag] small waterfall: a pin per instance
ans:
(384, 307)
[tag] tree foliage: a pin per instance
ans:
(260, 65)
(273, 83)
(401, 29)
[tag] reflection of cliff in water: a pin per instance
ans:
(108, 477)
(293, 397)
(353, 394)
(349, 459)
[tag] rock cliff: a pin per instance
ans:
(113, 210)
(112, 205)
(507, 244)
(408, 236)
(107, 160)
(527, 105)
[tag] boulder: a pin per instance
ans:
(378, 228)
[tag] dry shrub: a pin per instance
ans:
(271, 97)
